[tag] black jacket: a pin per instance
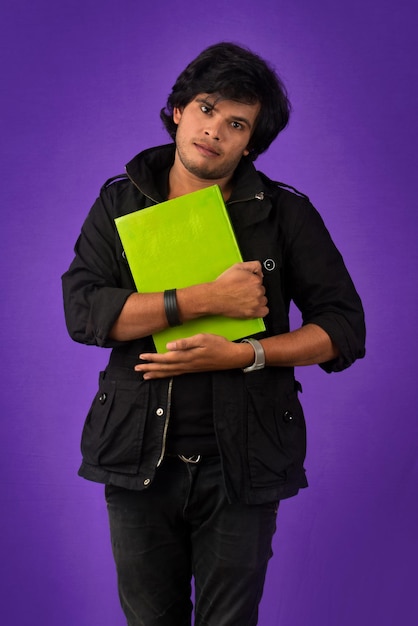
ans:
(259, 422)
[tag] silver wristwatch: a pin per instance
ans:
(260, 358)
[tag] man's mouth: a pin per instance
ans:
(204, 149)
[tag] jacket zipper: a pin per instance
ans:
(257, 196)
(167, 420)
(140, 190)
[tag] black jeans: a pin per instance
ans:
(183, 526)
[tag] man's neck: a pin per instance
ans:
(181, 183)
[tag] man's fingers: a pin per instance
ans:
(253, 266)
(184, 344)
(179, 344)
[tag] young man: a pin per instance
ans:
(198, 445)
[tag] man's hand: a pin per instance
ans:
(200, 353)
(203, 353)
(239, 292)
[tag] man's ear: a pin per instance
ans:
(246, 152)
(177, 113)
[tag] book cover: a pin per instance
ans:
(182, 242)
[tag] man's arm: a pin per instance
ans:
(102, 307)
(307, 345)
(237, 292)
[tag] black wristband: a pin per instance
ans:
(170, 307)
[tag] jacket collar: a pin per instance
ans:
(149, 171)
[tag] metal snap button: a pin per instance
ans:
(269, 265)
(288, 416)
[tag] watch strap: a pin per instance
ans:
(259, 356)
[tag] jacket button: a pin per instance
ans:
(147, 482)
(288, 416)
(269, 265)
(159, 412)
(102, 398)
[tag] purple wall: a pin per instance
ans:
(82, 85)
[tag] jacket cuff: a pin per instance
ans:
(106, 306)
(349, 343)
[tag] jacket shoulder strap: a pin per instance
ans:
(283, 186)
(114, 179)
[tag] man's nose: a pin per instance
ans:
(213, 130)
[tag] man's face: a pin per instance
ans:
(213, 134)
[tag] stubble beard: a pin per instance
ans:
(207, 171)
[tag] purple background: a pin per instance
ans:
(82, 85)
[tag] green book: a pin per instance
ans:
(182, 242)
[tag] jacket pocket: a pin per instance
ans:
(114, 428)
(276, 438)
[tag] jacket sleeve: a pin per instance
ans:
(321, 286)
(96, 285)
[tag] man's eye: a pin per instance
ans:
(205, 109)
(236, 125)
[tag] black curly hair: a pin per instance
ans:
(233, 73)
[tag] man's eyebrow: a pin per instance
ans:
(207, 102)
(212, 105)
